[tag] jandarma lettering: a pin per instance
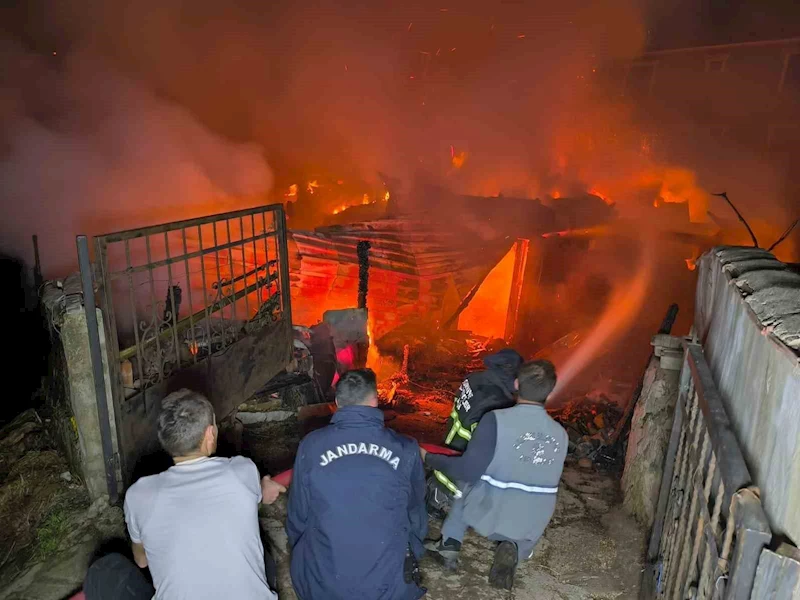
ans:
(362, 448)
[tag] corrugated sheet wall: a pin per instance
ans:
(748, 319)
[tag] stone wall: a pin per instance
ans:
(650, 431)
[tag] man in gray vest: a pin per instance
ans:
(510, 474)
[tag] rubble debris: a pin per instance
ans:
(589, 421)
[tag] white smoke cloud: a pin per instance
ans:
(87, 149)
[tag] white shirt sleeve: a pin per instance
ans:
(133, 515)
(247, 472)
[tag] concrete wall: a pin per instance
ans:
(83, 402)
(748, 320)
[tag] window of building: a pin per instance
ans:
(717, 63)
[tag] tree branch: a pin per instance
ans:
(784, 236)
(741, 218)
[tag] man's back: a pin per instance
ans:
(198, 522)
(516, 495)
(355, 507)
(482, 392)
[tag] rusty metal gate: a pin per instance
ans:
(202, 303)
(710, 528)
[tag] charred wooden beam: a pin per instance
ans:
(362, 249)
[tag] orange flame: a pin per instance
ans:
(312, 185)
(457, 160)
(292, 191)
(194, 348)
(386, 196)
(602, 196)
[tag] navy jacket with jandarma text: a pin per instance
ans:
(356, 506)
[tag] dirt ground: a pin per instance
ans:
(49, 528)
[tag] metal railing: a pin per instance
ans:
(174, 294)
(710, 527)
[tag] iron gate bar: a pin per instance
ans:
(283, 265)
(110, 321)
(149, 268)
(230, 257)
(171, 326)
(132, 299)
(130, 234)
(98, 373)
(205, 285)
(184, 323)
(197, 254)
(244, 263)
(191, 304)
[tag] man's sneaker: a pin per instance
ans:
(446, 551)
(501, 575)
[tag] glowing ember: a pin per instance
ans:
(691, 263)
(577, 233)
(386, 196)
(457, 159)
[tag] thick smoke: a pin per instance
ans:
(479, 97)
(87, 149)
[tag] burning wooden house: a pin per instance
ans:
(461, 262)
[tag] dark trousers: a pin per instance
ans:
(115, 577)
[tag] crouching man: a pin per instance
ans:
(510, 474)
(196, 524)
(480, 393)
(356, 515)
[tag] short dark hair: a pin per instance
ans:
(537, 379)
(356, 387)
(185, 415)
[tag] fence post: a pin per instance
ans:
(752, 535)
(87, 281)
(283, 265)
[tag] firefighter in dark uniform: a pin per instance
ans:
(356, 515)
(479, 393)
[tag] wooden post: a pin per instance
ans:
(517, 282)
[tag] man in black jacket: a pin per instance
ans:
(479, 393)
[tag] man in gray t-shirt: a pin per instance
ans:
(196, 524)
